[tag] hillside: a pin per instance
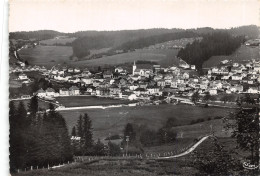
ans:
(217, 43)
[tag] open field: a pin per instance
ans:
(113, 120)
(203, 128)
(164, 57)
(49, 56)
(55, 41)
(76, 101)
(240, 55)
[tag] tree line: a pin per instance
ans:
(37, 139)
(214, 44)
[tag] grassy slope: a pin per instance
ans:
(46, 55)
(75, 101)
(51, 55)
(59, 41)
(113, 120)
(241, 54)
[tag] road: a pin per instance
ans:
(187, 151)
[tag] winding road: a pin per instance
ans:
(187, 151)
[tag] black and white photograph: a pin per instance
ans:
(133, 88)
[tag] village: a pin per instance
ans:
(174, 82)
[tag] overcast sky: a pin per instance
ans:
(81, 15)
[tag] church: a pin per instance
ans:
(141, 72)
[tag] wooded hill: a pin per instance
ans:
(128, 39)
(214, 44)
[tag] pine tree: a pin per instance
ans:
(80, 127)
(13, 138)
(99, 148)
(73, 132)
(87, 134)
(33, 105)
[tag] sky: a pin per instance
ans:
(82, 15)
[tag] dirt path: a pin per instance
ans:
(187, 151)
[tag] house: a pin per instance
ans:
(87, 80)
(133, 86)
(224, 61)
(102, 91)
(91, 89)
(140, 91)
(183, 64)
(236, 88)
(74, 90)
(74, 80)
(174, 83)
(70, 70)
(226, 85)
(236, 77)
(114, 89)
(214, 70)
(119, 69)
(235, 64)
(50, 92)
(156, 68)
(252, 90)
(153, 90)
(77, 70)
(185, 75)
(64, 92)
(225, 77)
(161, 83)
(213, 91)
(193, 67)
(203, 86)
(107, 74)
(41, 93)
(22, 76)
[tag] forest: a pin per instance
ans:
(214, 44)
(37, 139)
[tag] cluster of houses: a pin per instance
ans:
(235, 77)
(145, 83)
(25, 68)
(50, 92)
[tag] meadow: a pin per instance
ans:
(241, 55)
(76, 101)
(49, 56)
(113, 120)
(55, 41)
(163, 57)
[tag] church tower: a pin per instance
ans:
(134, 68)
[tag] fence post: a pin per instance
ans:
(48, 166)
(31, 168)
(18, 171)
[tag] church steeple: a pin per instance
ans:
(134, 68)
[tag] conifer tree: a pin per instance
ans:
(87, 134)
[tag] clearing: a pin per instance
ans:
(113, 120)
